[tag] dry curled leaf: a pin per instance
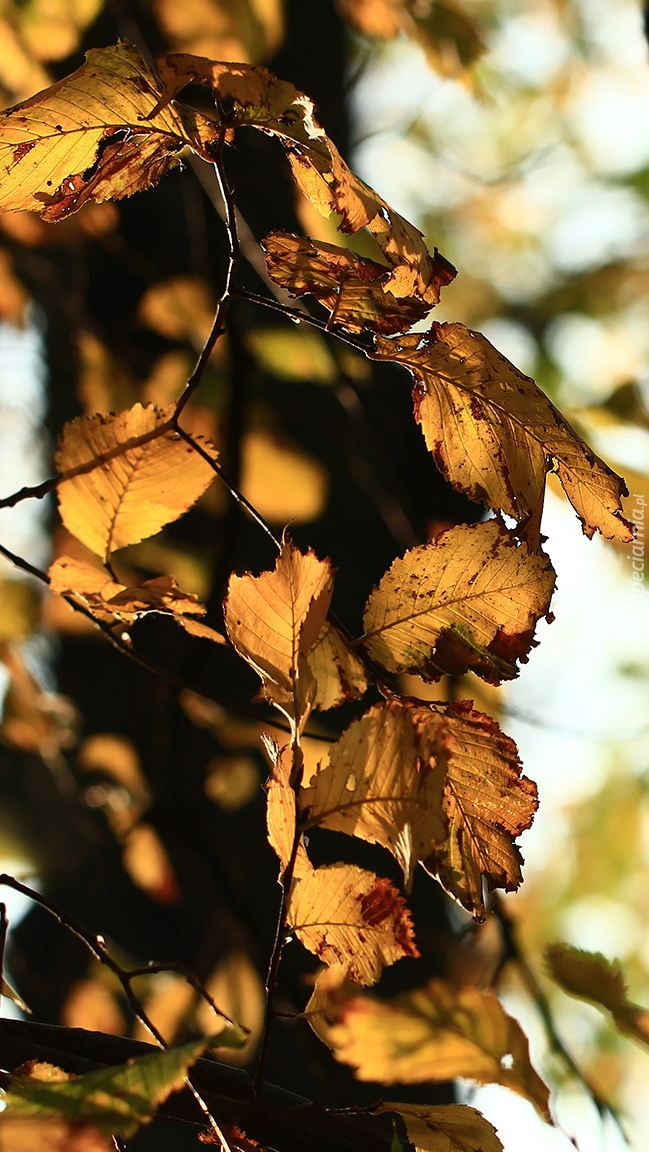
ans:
(124, 477)
(494, 434)
(486, 801)
(351, 917)
(278, 109)
(339, 673)
(446, 1128)
(437, 1033)
(275, 619)
(90, 136)
(591, 976)
(468, 601)
(350, 286)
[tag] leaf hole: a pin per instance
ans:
(507, 1061)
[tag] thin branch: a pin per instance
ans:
(299, 316)
(234, 492)
(4, 924)
(218, 326)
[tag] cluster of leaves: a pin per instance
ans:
(433, 783)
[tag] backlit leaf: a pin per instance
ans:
(348, 285)
(87, 137)
(126, 476)
(468, 601)
(591, 976)
(281, 812)
(380, 786)
(52, 28)
(293, 354)
(280, 480)
(115, 1100)
(437, 1033)
(487, 803)
(439, 784)
(339, 673)
(446, 1128)
(351, 917)
(494, 434)
(274, 620)
(278, 109)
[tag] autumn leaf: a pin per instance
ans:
(441, 785)
(277, 108)
(118, 1100)
(338, 672)
(274, 620)
(281, 812)
(350, 286)
(53, 28)
(591, 976)
(495, 435)
(90, 136)
(446, 1127)
(486, 800)
(379, 785)
(468, 601)
(124, 477)
(437, 1033)
(352, 918)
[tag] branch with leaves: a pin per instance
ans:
(434, 783)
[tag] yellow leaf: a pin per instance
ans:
(52, 1134)
(486, 801)
(278, 109)
(90, 1004)
(468, 601)
(380, 786)
(147, 863)
(437, 1033)
(88, 137)
(281, 812)
(348, 285)
(591, 976)
(280, 480)
(222, 29)
(293, 354)
(180, 309)
(351, 917)
(237, 990)
(52, 28)
(274, 620)
(339, 673)
(232, 781)
(493, 433)
(446, 1128)
(126, 476)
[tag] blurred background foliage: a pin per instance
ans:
(514, 133)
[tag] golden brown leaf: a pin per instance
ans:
(494, 434)
(14, 297)
(339, 673)
(350, 286)
(146, 861)
(237, 990)
(351, 917)
(439, 784)
(468, 601)
(278, 109)
(281, 812)
(486, 801)
(446, 1128)
(126, 476)
(92, 1005)
(88, 137)
(380, 785)
(437, 1033)
(222, 29)
(180, 309)
(274, 620)
(591, 976)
